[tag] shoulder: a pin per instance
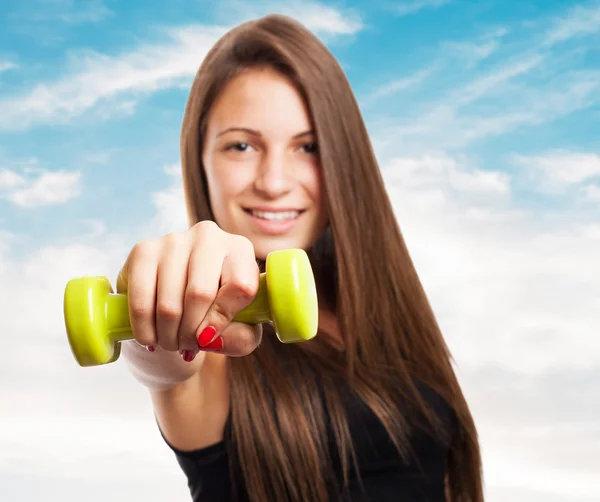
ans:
(412, 462)
(439, 419)
(429, 435)
(439, 407)
(437, 425)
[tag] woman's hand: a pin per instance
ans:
(185, 288)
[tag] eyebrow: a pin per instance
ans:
(253, 132)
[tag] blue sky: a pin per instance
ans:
(486, 119)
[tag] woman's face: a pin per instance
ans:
(262, 165)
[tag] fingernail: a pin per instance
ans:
(215, 346)
(206, 336)
(151, 348)
(188, 355)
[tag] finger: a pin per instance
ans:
(203, 276)
(236, 340)
(170, 289)
(239, 285)
(138, 279)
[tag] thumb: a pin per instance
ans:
(236, 340)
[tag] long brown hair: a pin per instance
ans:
(364, 274)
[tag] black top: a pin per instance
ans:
(385, 475)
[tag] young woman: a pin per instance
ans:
(276, 155)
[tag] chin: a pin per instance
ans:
(262, 247)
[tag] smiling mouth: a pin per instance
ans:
(284, 215)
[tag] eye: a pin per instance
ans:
(310, 147)
(239, 147)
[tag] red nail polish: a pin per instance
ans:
(206, 336)
(188, 355)
(151, 348)
(215, 346)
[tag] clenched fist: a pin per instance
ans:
(185, 288)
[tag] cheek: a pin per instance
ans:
(224, 187)
(320, 199)
(313, 181)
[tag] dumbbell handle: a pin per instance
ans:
(119, 322)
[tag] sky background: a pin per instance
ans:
(485, 117)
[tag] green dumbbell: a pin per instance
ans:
(97, 319)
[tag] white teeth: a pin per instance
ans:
(278, 216)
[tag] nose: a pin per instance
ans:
(274, 176)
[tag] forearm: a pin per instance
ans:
(159, 369)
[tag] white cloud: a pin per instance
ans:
(592, 192)
(561, 167)
(117, 82)
(91, 11)
(10, 179)
(65, 11)
(475, 51)
(518, 301)
(7, 65)
(323, 19)
(401, 84)
(96, 78)
(411, 6)
(47, 188)
(94, 419)
(515, 301)
(579, 21)
(492, 106)
(495, 79)
(444, 171)
(470, 54)
(528, 83)
(171, 213)
(540, 434)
